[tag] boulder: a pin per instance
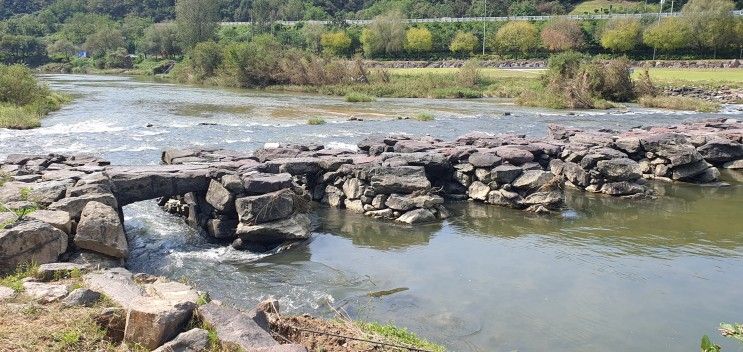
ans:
(619, 169)
(113, 321)
(398, 202)
(137, 183)
(43, 292)
(548, 198)
(297, 227)
(506, 173)
(402, 179)
(219, 197)
(221, 229)
(81, 297)
(379, 201)
(734, 165)
(720, 151)
(575, 174)
(194, 340)
(55, 271)
(294, 166)
(478, 190)
(532, 179)
(265, 207)
(265, 183)
(333, 196)
(622, 188)
(689, 171)
(74, 205)
(233, 183)
(30, 241)
(513, 155)
(6, 293)
(352, 188)
(484, 160)
(100, 230)
(57, 218)
(417, 216)
(355, 206)
(629, 145)
(236, 329)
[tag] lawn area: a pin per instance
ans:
(601, 6)
(487, 73)
(713, 77)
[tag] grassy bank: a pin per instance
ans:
(712, 78)
(23, 100)
(679, 103)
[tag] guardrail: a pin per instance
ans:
(492, 19)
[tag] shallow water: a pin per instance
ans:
(607, 274)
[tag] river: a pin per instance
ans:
(605, 275)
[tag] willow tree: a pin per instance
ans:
(197, 21)
(385, 35)
(710, 23)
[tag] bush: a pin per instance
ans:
(336, 43)
(118, 59)
(463, 43)
(18, 86)
(424, 116)
(517, 37)
(354, 97)
(205, 58)
(469, 74)
(385, 35)
(668, 34)
(315, 121)
(418, 40)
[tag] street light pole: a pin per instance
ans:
(483, 25)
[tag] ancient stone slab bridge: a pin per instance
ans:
(259, 200)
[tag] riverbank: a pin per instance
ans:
(64, 306)
(23, 100)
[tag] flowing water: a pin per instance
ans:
(605, 275)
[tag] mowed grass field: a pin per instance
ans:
(732, 77)
(619, 6)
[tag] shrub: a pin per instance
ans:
(354, 97)
(424, 116)
(418, 40)
(336, 43)
(18, 86)
(562, 35)
(315, 121)
(463, 43)
(517, 37)
(118, 59)
(205, 58)
(385, 35)
(469, 74)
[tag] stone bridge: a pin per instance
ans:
(69, 207)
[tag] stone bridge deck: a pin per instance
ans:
(55, 205)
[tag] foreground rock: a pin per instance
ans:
(32, 241)
(101, 230)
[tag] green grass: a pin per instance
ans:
(679, 103)
(485, 73)
(315, 121)
(424, 116)
(22, 271)
(4, 177)
(397, 335)
(601, 6)
(29, 116)
(711, 77)
(354, 97)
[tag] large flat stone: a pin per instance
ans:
(297, 227)
(75, 205)
(265, 207)
(235, 328)
(57, 218)
(401, 179)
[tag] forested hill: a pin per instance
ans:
(247, 10)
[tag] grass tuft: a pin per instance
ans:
(355, 97)
(398, 335)
(424, 116)
(315, 121)
(23, 271)
(679, 103)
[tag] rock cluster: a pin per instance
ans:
(70, 207)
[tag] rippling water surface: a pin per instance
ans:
(606, 275)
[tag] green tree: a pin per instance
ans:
(385, 35)
(205, 59)
(336, 43)
(118, 58)
(517, 37)
(668, 34)
(264, 13)
(710, 22)
(21, 49)
(621, 35)
(418, 40)
(62, 48)
(463, 42)
(160, 39)
(523, 8)
(312, 33)
(80, 26)
(197, 21)
(103, 41)
(562, 35)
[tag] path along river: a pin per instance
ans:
(605, 275)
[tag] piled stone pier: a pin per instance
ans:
(69, 207)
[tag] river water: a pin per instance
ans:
(605, 275)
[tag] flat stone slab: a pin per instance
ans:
(236, 328)
(53, 271)
(45, 293)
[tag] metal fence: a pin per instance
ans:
(492, 19)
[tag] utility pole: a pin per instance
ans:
(484, 15)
